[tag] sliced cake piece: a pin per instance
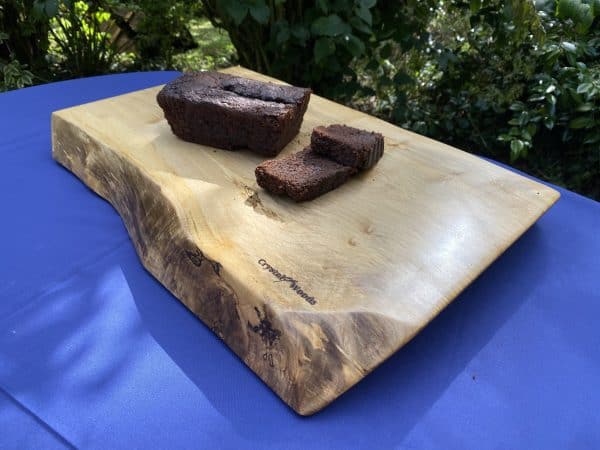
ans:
(230, 112)
(347, 145)
(302, 176)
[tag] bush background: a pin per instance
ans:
(517, 81)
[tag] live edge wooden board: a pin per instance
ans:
(311, 296)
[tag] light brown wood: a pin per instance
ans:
(311, 296)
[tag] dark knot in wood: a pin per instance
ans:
(197, 257)
(265, 328)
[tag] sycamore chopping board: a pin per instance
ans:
(311, 296)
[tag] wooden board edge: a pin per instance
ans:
(268, 339)
(298, 354)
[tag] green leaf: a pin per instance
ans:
(475, 6)
(592, 139)
(323, 48)
(549, 122)
(260, 12)
(569, 47)
(585, 107)
(575, 96)
(584, 87)
(237, 11)
(516, 147)
(51, 7)
(300, 33)
(566, 8)
(355, 45)
(323, 6)
(364, 14)
(579, 12)
(330, 25)
(536, 98)
(37, 11)
(283, 35)
(370, 3)
(523, 118)
(581, 122)
(359, 25)
(586, 20)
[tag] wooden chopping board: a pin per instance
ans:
(311, 296)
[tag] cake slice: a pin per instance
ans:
(302, 176)
(349, 146)
(229, 112)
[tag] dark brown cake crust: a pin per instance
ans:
(229, 112)
(348, 146)
(302, 176)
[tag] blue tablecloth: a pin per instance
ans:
(95, 353)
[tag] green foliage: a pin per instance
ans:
(565, 96)
(306, 43)
(502, 79)
(580, 12)
(214, 50)
(319, 43)
(24, 40)
(516, 80)
(14, 74)
(80, 39)
(56, 39)
(158, 29)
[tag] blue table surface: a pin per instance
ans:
(95, 353)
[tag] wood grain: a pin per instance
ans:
(311, 296)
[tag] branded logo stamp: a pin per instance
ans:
(281, 277)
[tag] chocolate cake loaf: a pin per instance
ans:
(302, 176)
(230, 112)
(347, 145)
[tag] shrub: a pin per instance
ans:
(158, 29)
(517, 80)
(14, 74)
(24, 26)
(81, 43)
(510, 81)
(46, 40)
(303, 45)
